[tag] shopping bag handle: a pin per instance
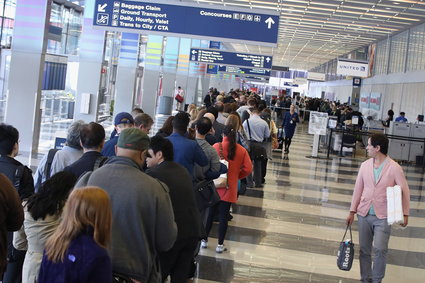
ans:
(351, 235)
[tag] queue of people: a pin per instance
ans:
(133, 208)
(148, 222)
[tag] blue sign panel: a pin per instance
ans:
(251, 78)
(215, 44)
(230, 58)
(191, 20)
(60, 143)
(212, 69)
(244, 71)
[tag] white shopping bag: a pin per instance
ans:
(394, 205)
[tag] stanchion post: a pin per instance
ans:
(342, 139)
(329, 144)
(423, 158)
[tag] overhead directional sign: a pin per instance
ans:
(230, 58)
(256, 79)
(246, 71)
(187, 20)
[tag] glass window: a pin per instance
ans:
(381, 57)
(7, 16)
(416, 51)
(70, 23)
(398, 52)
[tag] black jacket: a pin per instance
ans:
(179, 182)
(218, 128)
(85, 163)
(8, 167)
(24, 184)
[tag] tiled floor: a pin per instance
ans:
(289, 231)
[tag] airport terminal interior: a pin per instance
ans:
(64, 60)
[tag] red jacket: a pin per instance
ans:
(239, 168)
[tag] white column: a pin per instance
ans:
(92, 43)
(26, 71)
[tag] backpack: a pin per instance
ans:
(19, 172)
(99, 162)
(48, 167)
(84, 178)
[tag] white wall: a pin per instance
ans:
(404, 91)
(342, 89)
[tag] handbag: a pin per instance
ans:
(179, 98)
(346, 252)
(256, 149)
(221, 182)
(206, 194)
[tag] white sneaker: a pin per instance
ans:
(204, 244)
(220, 248)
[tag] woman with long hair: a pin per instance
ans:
(42, 215)
(167, 128)
(192, 110)
(239, 167)
(201, 114)
(234, 120)
(76, 252)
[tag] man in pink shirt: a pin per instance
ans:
(370, 203)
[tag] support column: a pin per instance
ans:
(92, 44)
(183, 68)
(126, 73)
(169, 70)
(151, 78)
(170, 66)
(26, 70)
(196, 74)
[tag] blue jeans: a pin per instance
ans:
(376, 231)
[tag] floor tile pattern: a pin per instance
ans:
(289, 231)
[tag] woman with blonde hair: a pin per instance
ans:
(76, 252)
(192, 111)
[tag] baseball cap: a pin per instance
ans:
(133, 138)
(123, 118)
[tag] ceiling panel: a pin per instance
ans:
(316, 31)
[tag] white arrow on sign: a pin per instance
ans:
(101, 8)
(269, 22)
(268, 59)
(194, 52)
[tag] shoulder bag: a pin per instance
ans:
(206, 194)
(256, 149)
(179, 98)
